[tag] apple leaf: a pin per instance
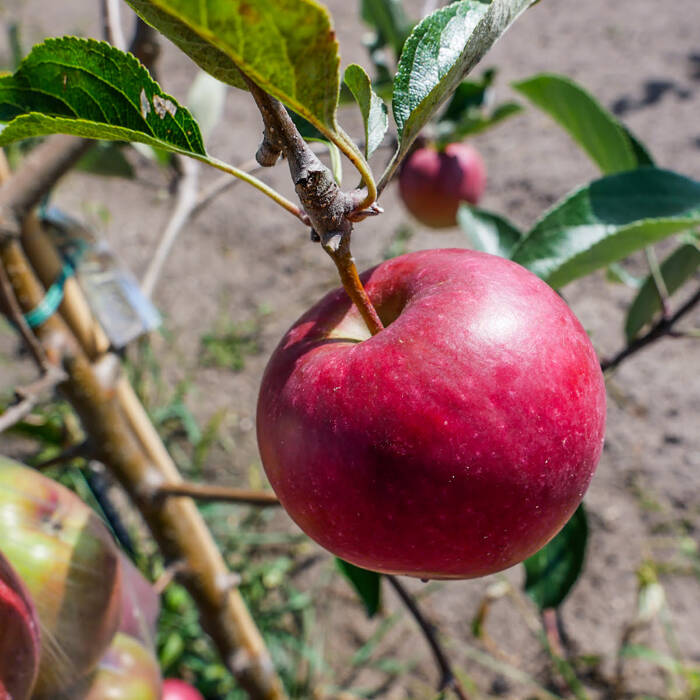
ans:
(88, 88)
(470, 94)
(374, 112)
(367, 584)
(389, 20)
(608, 220)
(448, 132)
(678, 267)
(488, 232)
(107, 160)
(287, 47)
(597, 131)
(617, 274)
(552, 572)
(439, 53)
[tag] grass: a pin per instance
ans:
(229, 344)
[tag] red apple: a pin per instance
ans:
(127, 671)
(432, 183)
(70, 566)
(175, 689)
(140, 604)
(454, 443)
(19, 637)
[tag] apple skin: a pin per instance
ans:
(432, 183)
(140, 604)
(20, 644)
(127, 671)
(175, 689)
(454, 443)
(70, 566)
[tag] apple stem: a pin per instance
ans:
(664, 327)
(338, 248)
(448, 680)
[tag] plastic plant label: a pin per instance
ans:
(112, 291)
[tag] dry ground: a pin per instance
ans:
(244, 260)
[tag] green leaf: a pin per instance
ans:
(439, 53)
(474, 123)
(678, 267)
(389, 20)
(618, 274)
(367, 584)
(640, 150)
(593, 128)
(106, 159)
(374, 112)
(488, 232)
(287, 47)
(469, 94)
(552, 572)
(608, 220)
(88, 88)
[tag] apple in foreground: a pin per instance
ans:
(19, 636)
(127, 671)
(175, 689)
(454, 443)
(432, 183)
(70, 565)
(140, 604)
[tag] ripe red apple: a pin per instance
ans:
(175, 689)
(455, 442)
(432, 183)
(19, 637)
(70, 566)
(127, 671)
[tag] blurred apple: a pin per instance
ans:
(175, 689)
(19, 636)
(432, 182)
(127, 671)
(140, 604)
(70, 565)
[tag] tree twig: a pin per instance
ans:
(330, 211)
(448, 679)
(14, 313)
(145, 46)
(220, 185)
(186, 202)
(168, 576)
(28, 397)
(80, 449)
(215, 492)
(664, 327)
(38, 174)
(111, 24)
(116, 428)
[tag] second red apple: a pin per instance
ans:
(433, 182)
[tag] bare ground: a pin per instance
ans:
(244, 260)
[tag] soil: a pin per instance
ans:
(248, 262)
